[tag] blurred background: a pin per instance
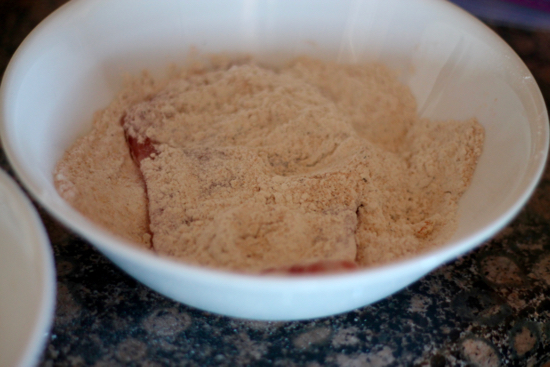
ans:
(527, 14)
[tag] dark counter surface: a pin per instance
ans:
(489, 308)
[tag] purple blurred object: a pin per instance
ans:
(535, 4)
(530, 14)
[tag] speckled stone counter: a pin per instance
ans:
(489, 308)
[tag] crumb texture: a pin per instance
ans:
(243, 167)
(98, 177)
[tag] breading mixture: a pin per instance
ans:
(248, 168)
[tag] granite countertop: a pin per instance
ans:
(488, 308)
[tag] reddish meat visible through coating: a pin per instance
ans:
(138, 150)
(315, 268)
(310, 168)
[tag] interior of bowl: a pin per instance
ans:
(456, 67)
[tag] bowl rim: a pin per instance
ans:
(113, 244)
(43, 319)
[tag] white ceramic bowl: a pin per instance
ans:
(72, 64)
(27, 278)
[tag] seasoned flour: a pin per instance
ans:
(243, 167)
